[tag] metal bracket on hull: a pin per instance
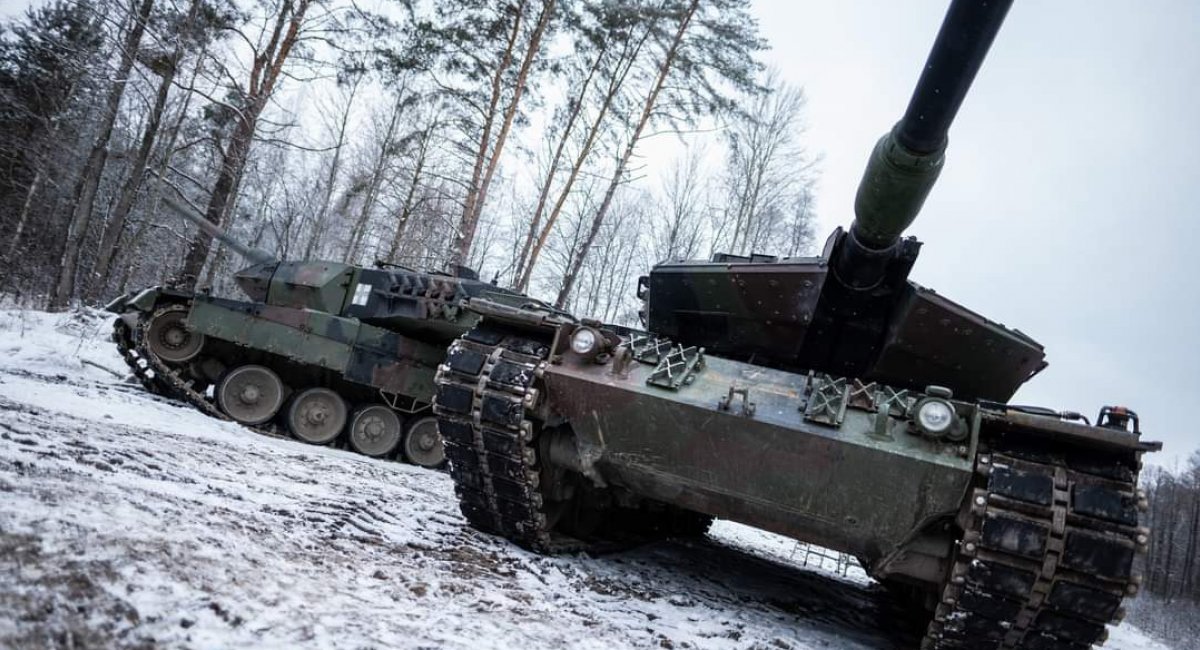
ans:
(827, 398)
(726, 403)
(677, 367)
(648, 348)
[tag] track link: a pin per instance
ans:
(123, 336)
(484, 402)
(172, 382)
(1048, 552)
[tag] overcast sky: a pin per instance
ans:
(1068, 206)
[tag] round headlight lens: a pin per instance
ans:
(584, 340)
(935, 416)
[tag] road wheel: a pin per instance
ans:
(250, 394)
(423, 443)
(169, 338)
(317, 416)
(375, 431)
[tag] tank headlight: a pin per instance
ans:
(585, 341)
(935, 417)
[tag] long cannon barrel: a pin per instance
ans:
(906, 162)
(252, 255)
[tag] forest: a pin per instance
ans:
(507, 137)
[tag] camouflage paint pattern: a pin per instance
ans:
(322, 286)
(383, 328)
(361, 353)
(773, 468)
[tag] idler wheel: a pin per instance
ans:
(423, 443)
(375, 431)
(317, 416)
(169, 338)
(250, 394)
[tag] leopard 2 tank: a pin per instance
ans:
(827, 399)
(326, 352)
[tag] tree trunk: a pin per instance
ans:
(552, 171)
(335, 165)
(222, 254)
(618, 174)
(116, 223)
(469, 222)
(1189, 558)
(621, 68)
(89, 180)
(168, 151)
(410, 196)
(22, 220)
(1168, 590)
(373, 185)
(264, 74)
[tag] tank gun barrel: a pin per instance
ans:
(906, 162)
(252, 255)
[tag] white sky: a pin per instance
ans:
(1067, 208)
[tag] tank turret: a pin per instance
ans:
(852, 311)
(410, 301)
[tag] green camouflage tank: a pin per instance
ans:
(323, 351)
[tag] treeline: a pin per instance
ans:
(1172, 568)
(504, 136)
(1171, 571)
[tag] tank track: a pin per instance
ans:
(486, 400)
(1048, 551)
(140, 366)
(164, 380)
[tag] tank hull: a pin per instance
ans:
(847, 484)
(360, 353)
(366, 367)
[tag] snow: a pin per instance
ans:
(127, 520)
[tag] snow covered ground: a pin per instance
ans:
(130, 521)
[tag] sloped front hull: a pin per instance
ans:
(862, 486)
